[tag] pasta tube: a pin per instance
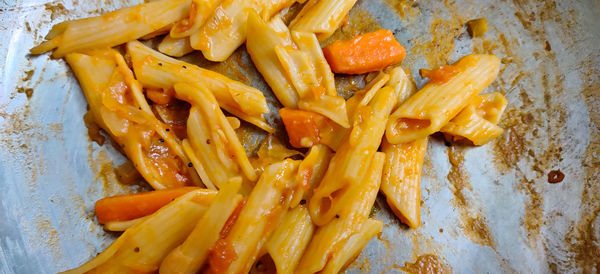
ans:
(214, 142)
(261, 46)
(175, 47)
(347, 166)
(364, 96)
(322, 17)
(113, 28)
(477, 122)
(295, 68)
(311, 172)
(269, 199)
(290, 239)
(313, 96)
(308, 43)
(120, 226)
(353, 246)
(200, 11)
(138, 249)
(119, 107)
(401, 183)
(156, 70)
(191, 254)
(226, 30)
(332, 237)
(436, 103)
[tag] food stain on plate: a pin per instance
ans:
(427, 263)
(474, 226)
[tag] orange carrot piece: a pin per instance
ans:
(364, 53)
(301, 124)
(133, 206)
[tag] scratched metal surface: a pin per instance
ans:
(485, 209)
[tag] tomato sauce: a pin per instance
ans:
(440, 75)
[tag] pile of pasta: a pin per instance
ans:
(214, 209)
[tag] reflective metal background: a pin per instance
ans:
(485, 209)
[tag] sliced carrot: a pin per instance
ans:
(133, 206)
(364, 53)
(301, 124)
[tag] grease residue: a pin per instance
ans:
(27, 91)
(438, 49)
(103, 168)
(385, 241)
(55, 9)
(474, 227)
(50, 235)
(582, 239)
(28, 75)
(427, 263)
(404, 8)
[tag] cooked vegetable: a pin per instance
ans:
(133, 206)
(477, 27)
(307, 128)
(364, 53)
(302, 126)
(142, 247)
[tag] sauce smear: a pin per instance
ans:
(427, 263)
(440, 75)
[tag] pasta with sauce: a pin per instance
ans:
(217, 207)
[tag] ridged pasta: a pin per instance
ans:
(435, 104)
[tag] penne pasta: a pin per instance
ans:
(214, 142)
(307, 128)
(308, 43)
(353, 246)
(322, 17)
(226, 30)
(158, 32)
(113, 28)
(175, 47)
(156, 70)
(138, 249)
(119, 107)
(332, 237)
(311, 171)
(477, 122)
(401, 183)
(491, 106)
(179, 125)
(260, 47)
(119, 226)
(200, 11)
(236, 252)
(290, 239)
(189, 151)
(356, 151)
(190, 256)
(436, 103)
(296, 70)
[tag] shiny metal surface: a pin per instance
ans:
(485, 209)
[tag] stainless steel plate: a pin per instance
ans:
(485, 209)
